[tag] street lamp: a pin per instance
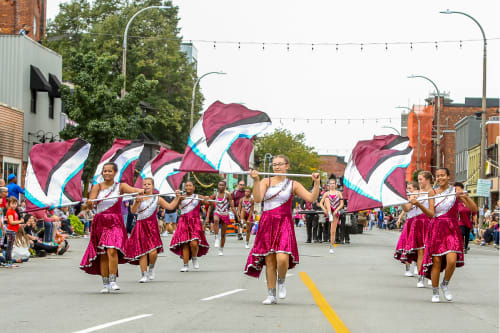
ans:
(438, 128)
(482, 153)
(270, 157)
(410, 110)
(194, 92)
(390, 127)
(124, 46)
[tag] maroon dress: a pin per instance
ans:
(108, 231)
(145, 236)
(276, 233)
(189, 228)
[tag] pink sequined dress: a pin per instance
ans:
(189, 228)
(145, 236)
(334, 203)
(222, 209)
(247, 206)
(444, 234)
(108, 231)
(276, 232)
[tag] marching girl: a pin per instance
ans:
(467, 217)
(223, 202)
(189, 240)
(145, 243)
(444, 244)
(331, 203)
(275, 245)
(108, 235)
(245, 209)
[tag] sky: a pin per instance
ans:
(320, 82)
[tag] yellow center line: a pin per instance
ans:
(335, 245)
(323, 305)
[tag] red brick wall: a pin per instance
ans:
(13, 14)
(11, 135)
(332, 164)
(425, 114)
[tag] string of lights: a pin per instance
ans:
(334, 120)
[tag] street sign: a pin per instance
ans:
(483, 187)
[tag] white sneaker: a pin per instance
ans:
(217, 242)
(408, 273)
(447, 294)
(143, 279)
(435, 299)
(429, 282)
(151, 274)
(221, 252)
(184, 268)
(196, 264)
(281, 290)
(420, 284)
(247, 246)
(114, 286)
(105, 290)
(415, 270)
(331, 250)
(270, 300)
(165, 234)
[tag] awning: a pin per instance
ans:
(37, 80)
(55, 84)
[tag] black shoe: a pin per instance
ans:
(316, 241)
(347, 242)
(308, 241)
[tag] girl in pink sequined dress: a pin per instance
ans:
(145, 242)
(189, 240)
(275, 245)
(331, 203)
(245, 209)
(108, 235)
(444, 244)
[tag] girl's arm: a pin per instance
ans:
(126, 188)
(231, 204)
(258, 187)
(93, 195)
(240, 208)
(168, 205)
(429, 211)
(468, 202)
(12, 222)
(305, 194)
(341, 203)
(135, 206)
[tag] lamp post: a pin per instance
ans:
(124, 46)
(390, 127)
(438, 125)
(270, 157)
(193, 95)
(482, 153)
(410, 110)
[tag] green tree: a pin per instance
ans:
(95, 105)
(153, 50)
(303, 159)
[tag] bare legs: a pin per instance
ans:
(420, 258)
(148, 258)
(276, 262)
(333, 229)
(451, 263)
(223, 228)
(189, 250)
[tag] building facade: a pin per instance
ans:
(11, 141)
(332, 165)
(468, 135)
(34, 74)
(493, 135)
(419, 131)
(473, 171)
(16, 13)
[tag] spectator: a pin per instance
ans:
(170, 217)
(2, 182)
(41, 249)
(237, 195)
(4, 191)
(13, 223)
(14, 189)
(21, 248)
(489, 234)
(49, 224)
(22, 208)
(63, 214)
(86, 216)
(24, 30)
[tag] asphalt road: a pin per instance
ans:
(362, 285)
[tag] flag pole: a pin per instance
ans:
(424, 199)
(305, 175)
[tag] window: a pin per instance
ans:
(51, 107)
(34, 27)
(33, 101)
(11, 165)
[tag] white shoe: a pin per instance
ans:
(151, 274)
(143, 279)
(435, 299)
(281, 290)
(114, 286)
(331, 251)
(184, 268)
(415, 270)
(221, 252)
(247, 246)
(408, 273)
(165, 234)
(217, 242)
(429, 282)
(447, 294)
(196, 264)
(420, 284)
(270, 300)
(105, 290)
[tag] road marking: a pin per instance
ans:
(117, 322)
(223, 294)
(323, 305)
(289, 274)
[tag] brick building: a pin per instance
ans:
(332, 164)
(15, 13)
(11, 141)
(451, 113)
(419, 119)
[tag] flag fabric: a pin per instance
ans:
(125, 154)
(221, 141)
(54, 173)
(163, 169)
(375, 173)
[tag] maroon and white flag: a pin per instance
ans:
(375, 173)
(164, 170)
(54, 173)
(221, 141)
(125, 154)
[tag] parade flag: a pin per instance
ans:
(54, 173)
(163, 169)
(125, 154)
(375, 173)
(221, 141)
